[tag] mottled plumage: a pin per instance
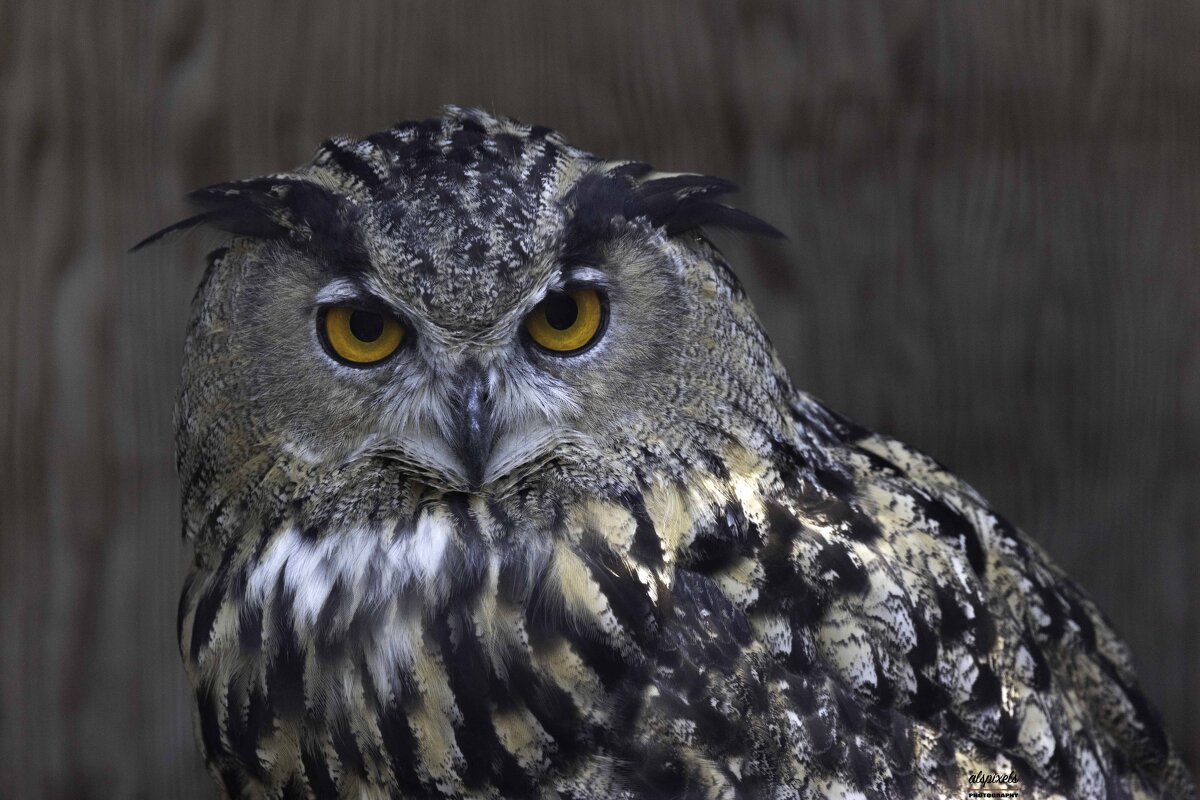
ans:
(650, 569)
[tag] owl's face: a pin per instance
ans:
(485, 306)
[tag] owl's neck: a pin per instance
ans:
(527, 618)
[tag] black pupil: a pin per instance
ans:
(561, 311)
(366, 326)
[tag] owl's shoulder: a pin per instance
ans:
(904, 615)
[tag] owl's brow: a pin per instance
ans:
(341, 290)
(351, 290)
(572, 275)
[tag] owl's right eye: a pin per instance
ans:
(358, 336)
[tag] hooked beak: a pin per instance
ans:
(474, 433)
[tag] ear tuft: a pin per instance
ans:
(275, 207)
(677, 203)
(681, 203)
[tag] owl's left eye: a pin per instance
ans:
(566, 323)
(358, 336)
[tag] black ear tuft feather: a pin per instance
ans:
(680, 203)
(272, 208)
(675, 203)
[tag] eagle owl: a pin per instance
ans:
(497, 489)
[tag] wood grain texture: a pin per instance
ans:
(993, 209)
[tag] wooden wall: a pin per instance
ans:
(993, 211)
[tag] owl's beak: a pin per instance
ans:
(475, 424)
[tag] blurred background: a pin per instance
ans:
(993, 209)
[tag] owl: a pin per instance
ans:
(497, 489)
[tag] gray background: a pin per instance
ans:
(993, 220)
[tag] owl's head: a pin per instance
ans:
(480, 303)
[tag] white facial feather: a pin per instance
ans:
(311, 567)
